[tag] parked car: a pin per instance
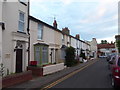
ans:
(102, 56)
(108, 57)
(110, 62)
(115, 71)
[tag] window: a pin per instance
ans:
(62, 38)
(70, 40)
(37, 55)
(63, 54)
(21, 21)
(40, 31)
(41, 54)
(44, 54)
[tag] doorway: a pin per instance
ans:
(19, 56)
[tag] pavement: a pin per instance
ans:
(40, 82)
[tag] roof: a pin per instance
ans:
(37, 20)
(100, 46)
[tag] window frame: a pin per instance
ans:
(20, 21)
(41, 36)
(41, 54)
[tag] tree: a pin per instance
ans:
(70, 56)
(104, 42)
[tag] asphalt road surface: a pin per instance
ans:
(94, 76)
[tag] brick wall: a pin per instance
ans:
(16, 79)
(36, 71)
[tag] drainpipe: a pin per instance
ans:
(28, 31)
(0, 43)
(1, 25)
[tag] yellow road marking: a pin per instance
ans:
(65, 77)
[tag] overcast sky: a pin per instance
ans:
(89, 18)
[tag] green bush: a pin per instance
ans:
(70, 57)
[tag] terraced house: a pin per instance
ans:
(14, 35)
(48, 43)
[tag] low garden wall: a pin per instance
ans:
(17, 78)
(36, 71)
(53, 68)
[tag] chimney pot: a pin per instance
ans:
(55, 24)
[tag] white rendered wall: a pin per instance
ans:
(10, 34)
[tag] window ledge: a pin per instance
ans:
(40, 40)
(23, 3)
(21, 32)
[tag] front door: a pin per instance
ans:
(52, 55)
(56, 55)
(19, 60)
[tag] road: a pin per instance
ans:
(94, 76)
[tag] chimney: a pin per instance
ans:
(112, 42)
(66, 30)
(94, 39)
(55, 24)
(77, 36)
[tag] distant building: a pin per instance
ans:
(106, 49)
(93, 48)
(48, 44)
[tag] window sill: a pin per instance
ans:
(21, 32)
(23, 3)
(40, 40)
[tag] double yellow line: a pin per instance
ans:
(65, 77)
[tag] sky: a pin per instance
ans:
(89, 18)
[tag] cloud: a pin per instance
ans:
(109, 39)
(90, 18)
